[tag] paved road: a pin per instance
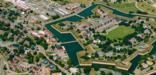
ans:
(136, 5)
(68, 42)
(50, 22)
(53, 62)
(135, 14)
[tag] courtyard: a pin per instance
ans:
(120, 32)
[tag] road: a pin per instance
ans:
(136, 5)
(50, 22)
(68, 42)
(3, 62)
(135, 14)
(76, 14)
(41, 50)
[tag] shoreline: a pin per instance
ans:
(122, 66)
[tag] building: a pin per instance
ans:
(20, 3)
(110, 0)
(43, 17)
(99, 24)
(61, 11)
(103, 23)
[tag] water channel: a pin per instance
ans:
(138, 58)
(73, 48)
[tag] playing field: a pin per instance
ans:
(120, 32)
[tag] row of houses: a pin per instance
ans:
(19, 3)
(48, 8)
(67, 9)
(99, 24)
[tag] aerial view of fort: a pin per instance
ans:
(77, 37)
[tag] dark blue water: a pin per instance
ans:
(154, 49)
(135, 63)
(66, 37)
(153, 74)
(119, 13)
(137, 59)
(72, 49)
(72, 19)
(88, 11)
(97, 66)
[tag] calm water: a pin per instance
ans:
(134, 62)
(137, 59)
(119, 13)
(88, 11)
(72, 19)
(72, 49)
(85, 13)
(97, 66)
(153, 74)
(62, 37)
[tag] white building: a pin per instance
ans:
(19, 3)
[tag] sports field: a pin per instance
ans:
(120, 32)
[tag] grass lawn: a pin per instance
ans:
(147, 7)
(152, 22)
(125, 7)
(120, 32)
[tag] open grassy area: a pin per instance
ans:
(125, 7)
(147, 7)
(120, 32)
(152, 22)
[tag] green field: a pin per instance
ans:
(120, 32)
(125, 7)
(147, 7)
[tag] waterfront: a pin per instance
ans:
(88, 11)
(119, 13)
(73, 48)
(63, 37)
(138, 58)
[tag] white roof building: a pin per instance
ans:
(19, 3)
